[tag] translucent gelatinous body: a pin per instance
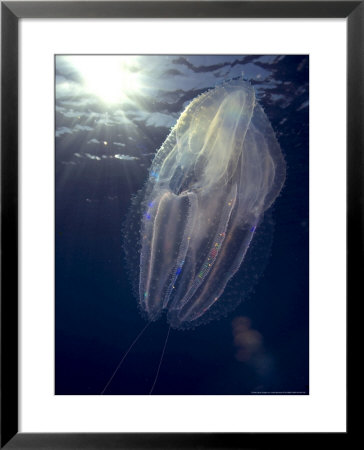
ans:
(217, 172)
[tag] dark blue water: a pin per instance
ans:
(103, 152)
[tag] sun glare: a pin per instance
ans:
(111, 78)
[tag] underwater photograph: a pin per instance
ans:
(182, 224)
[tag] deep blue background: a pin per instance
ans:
(96, 313)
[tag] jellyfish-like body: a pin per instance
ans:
(210, 183)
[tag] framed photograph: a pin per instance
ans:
(181, 191)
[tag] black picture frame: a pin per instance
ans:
(11, 13)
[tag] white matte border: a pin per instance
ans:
(324, 409)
